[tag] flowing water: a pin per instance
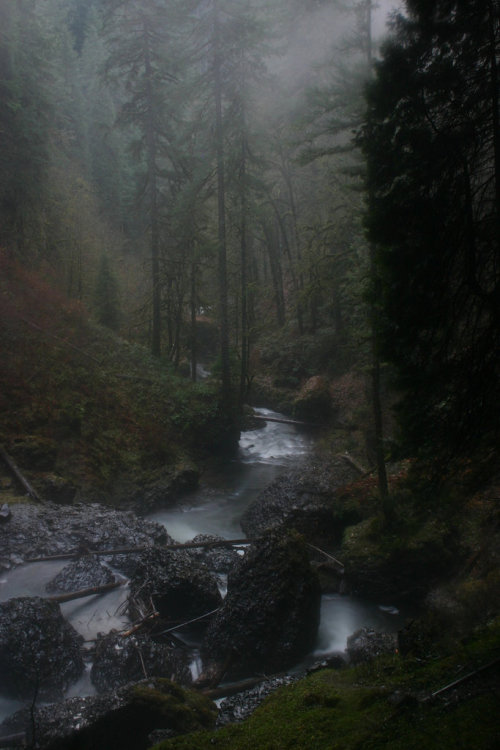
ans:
(215, 508)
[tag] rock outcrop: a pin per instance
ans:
(121, 720)
(119, 660)
(270, 616)
(39, 651)
(178, 587)
(305, 500)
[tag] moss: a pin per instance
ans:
(182, 710)
(374, 706)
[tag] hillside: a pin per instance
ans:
(84, 412)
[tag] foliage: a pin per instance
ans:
(433, 149)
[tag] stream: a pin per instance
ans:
(215, 508)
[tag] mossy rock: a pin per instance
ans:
(397, 562)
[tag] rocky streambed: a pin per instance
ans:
(89, 666)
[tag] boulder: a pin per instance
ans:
(39, 651)
(366, 644)
(119, 720)
(51, 529)
(216, 559)
(119, 660)
(314, 402)
(179, 588)
(270, 616)
(5, 513)
(84, 573)
(305, 500)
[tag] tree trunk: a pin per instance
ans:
(221, 214)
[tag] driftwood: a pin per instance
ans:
(460, 680)
(14, 469)
(284, 420)
(139, 625)
(60, 598)
(232, 688)
(130, 550)
(328, 556)
(352, 462)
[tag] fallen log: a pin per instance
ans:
(60, 598)
(355, 465)
(340, 565)
(130, 550)
(462, 679)
(14, 469)
(285, 420)
(232, 688)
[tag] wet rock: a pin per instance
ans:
(270, 616)
(366, 644)
(5, 513)
(119, 660)
(239, 707)
(314, 402)
(305, 500)
(39, 651)
(179, 589)
(164, 487)
(36, 530)
(120, 720)
(85, 573)
(217, 559)
(56, 489)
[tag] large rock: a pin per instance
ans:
(85, 573)
(216, 559)
(314, 402)
(121, 720)
(270, 616)
(39, 651)
(50, 529)
(366, 644)
(305, 500)
(119, 660)
(179, 588)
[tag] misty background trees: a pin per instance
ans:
(206, 160)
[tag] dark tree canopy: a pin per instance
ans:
(432, 143)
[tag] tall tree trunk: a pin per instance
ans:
(387, 506)
(221, 214)
(153, 206)
(192, 305)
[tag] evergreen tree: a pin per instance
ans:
(433, 151)
(107, 296)
(24, 125)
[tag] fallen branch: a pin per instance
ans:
(284, 420)
(188, 622)
(130, 550)
(330, 557)
(232, 688)
(463, 679)
(145, 621)
(60, 340)
(60, 598)
(352, 462)
(20, 477)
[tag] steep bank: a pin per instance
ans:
(87, 415)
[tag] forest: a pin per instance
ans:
(210, 209)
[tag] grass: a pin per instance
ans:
(375, 706)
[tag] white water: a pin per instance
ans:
(215, 508)
(265, 454)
